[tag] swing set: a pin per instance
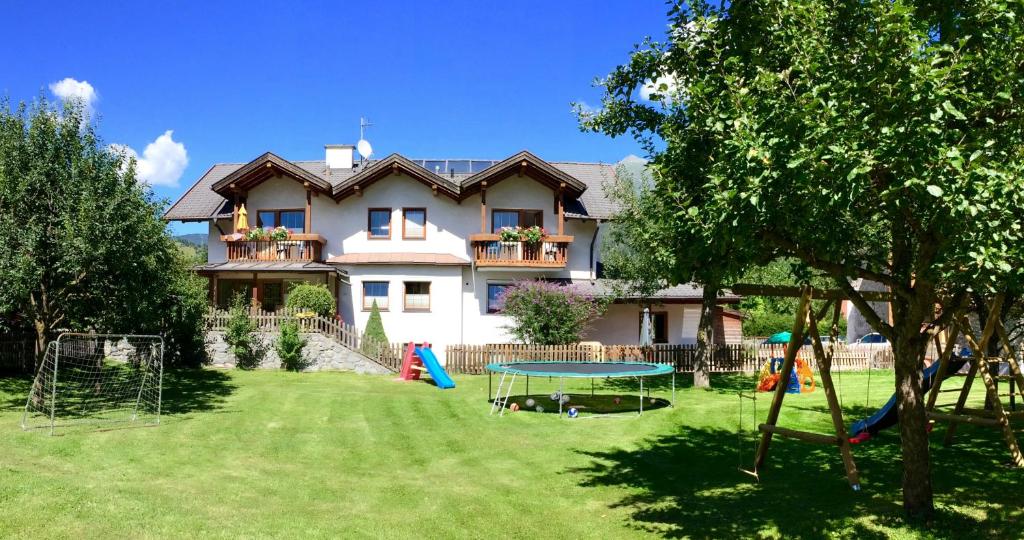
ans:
(807, 320)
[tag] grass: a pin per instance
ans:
(276, 454)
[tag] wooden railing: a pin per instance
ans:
(725, 358)
(388, 355)
(298, 247)
(490, 250)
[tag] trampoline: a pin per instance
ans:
(578, 370)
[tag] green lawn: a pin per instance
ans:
(274, 454)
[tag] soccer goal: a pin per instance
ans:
(95, 379)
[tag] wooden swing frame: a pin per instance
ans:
(806, 318)
(979, 366)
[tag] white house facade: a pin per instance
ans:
(421, 239)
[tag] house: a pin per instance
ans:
(421, 238)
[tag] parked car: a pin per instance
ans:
(874, 346)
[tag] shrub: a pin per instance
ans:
(289, 347)
(313, 297)
(374, 337)
(547, 313)
(242, 335)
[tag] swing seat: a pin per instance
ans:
(861, 437)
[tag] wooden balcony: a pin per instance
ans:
(490, 251)
(297, 248)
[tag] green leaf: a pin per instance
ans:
(953, 111)
(935, 191)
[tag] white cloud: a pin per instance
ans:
(162, 163)
(665, 86)
(632, 159)
(71, 89)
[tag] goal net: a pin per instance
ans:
(95, 379)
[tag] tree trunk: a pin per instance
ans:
(705, 337)
(42, 329)
(908, 349)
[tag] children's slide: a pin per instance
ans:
(887, 416)
(440, 376)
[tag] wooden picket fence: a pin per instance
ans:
(473, 358)
(387, 354)
(17, 353)
(725, 358)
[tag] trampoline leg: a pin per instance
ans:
(641, 395)
(561, 382)
(591, 387)
(673, 404)
(527, 386)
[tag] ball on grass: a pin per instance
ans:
(539, 408)
(555, 396)
(565, 398)
(530, 403)
(617, 400)
(513, 407)
(573, 413)
(653, 401)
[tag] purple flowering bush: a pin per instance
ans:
(546, 313)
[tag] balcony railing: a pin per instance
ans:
(298, 247)
(490, 250)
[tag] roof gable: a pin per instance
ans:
(261, 169)
(524, 164)
(392, 165)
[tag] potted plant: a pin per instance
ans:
(279, 233)
(255, 235)
(532, 235)
(509, 247)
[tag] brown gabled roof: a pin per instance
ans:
(524, 163)
(399, 258)
(393, 164)
(264, 167)
(201, 202)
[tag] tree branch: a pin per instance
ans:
(865, 309)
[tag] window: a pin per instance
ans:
(293, 220)
(515, 218)
(379, 223)
(494, 291)
(414, 223)
(375, 291)
(659, 326)
(417, 296)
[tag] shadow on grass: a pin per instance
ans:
(184, 391)
(194, 390)
(597, 404)
(686, 484)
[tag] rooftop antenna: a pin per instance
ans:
(363, 146)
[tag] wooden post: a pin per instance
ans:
(213, 289)
(308, 225)
(824, 371)
(1011, 358)
(483, 207)
(255, 295)
(979, 348)
(940, 375)
(795, 342)
(560, 200)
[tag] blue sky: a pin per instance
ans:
(231, 80)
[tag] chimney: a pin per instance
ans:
(339, 156)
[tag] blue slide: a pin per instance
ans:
(440, 376)
(887, 416)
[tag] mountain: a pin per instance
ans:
(196, 239)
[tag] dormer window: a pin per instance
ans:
(293, 220)
(516, 218)
(379, 224)
(414, 223)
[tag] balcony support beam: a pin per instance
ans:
(483, 207)
(308, 225)
(560, 208)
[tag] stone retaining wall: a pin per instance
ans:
(321, 354)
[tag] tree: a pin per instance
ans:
(314, 297)
(878, 140)
(82, 246)
(374, 336)
(289, 346)
(546, 313)
(243, 335)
